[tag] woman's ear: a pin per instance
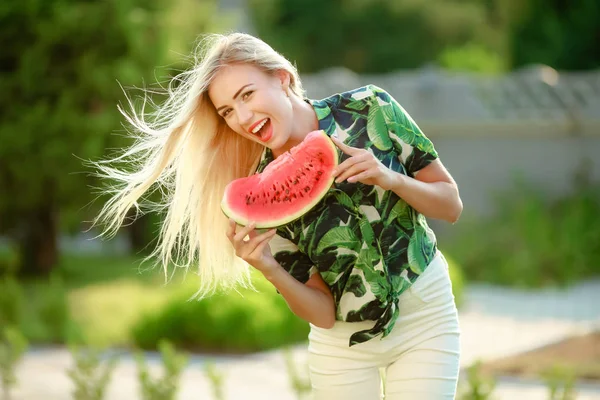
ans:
(285, 79)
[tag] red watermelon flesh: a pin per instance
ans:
(288, 187)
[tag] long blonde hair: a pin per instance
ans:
(186, 149)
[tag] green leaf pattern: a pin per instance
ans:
(368, 244)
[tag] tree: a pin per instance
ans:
(366, 36)
(562, 34)
(58, 93)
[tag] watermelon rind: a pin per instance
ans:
(285, 219)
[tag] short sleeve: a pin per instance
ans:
(414, 147)
(287, 254)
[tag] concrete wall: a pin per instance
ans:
(536, 123)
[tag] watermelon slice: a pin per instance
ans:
(288, 187)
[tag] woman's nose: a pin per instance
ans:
(244, 116)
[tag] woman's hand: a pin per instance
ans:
(256, 250)
(363, 166)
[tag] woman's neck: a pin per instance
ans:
(305, 121)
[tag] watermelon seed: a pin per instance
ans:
(307, 188)
(287, 191)
(319, 172)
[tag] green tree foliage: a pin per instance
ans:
(58, 92)
(378, 36)
(560, 33)
(60, 70)
(370, 36)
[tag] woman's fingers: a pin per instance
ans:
(347, 163)
(231, 229)
(242, 233)
(344, 147)
(364, 175)
(245, 247)
(257, 238)
(353, 170)
(261, 242)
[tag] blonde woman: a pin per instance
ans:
(362, 267)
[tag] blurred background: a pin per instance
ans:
(508, 90)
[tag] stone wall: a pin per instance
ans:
(538, 123)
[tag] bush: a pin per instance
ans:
(533, 242)
(47, 318)
(12, 301)
(164, 387)
(457, 278)
(245, 322)
(108, 311)
(40, 310)
(90, 374)
(12, 348)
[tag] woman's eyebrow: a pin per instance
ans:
(235, 95)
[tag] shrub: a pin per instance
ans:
(89, 374)
(478, 385)
(234, 322)
(560, 381)
(166, 386)
(12, 347)
(47, 318)
(107, 311)
(12, 301)
(457, 278)
(216, 378)
(532, 241)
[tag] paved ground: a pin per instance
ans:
(495, 322)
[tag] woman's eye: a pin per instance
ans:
(226, 112)
(247, 94)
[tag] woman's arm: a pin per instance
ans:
(311, 301)
(433, 192)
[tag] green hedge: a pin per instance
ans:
(233, 322)
(251, 321)
(98, 308)
(533, 241)
(458, 279)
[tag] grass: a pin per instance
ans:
(78, 270)
(107, 311)
(116, 301)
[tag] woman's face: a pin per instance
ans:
(254, 103)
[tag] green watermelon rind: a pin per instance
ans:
(268, 224)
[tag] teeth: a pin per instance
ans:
(257, 128)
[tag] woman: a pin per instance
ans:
(362, 267)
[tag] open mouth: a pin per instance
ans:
(263, 130)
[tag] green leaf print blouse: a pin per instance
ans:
(368, 244)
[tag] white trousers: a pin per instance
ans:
(420, 357)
